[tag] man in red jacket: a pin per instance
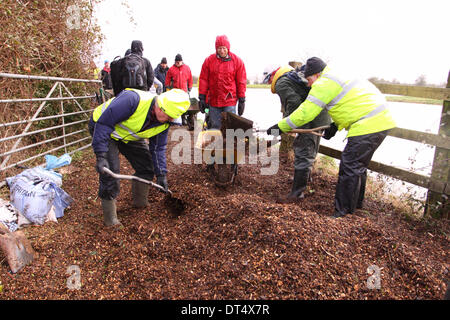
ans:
(224, 80)
(179, 76)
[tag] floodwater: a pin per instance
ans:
(263, 108)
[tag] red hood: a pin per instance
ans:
(222, 41)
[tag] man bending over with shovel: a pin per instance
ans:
(122, 124)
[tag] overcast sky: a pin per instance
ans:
(383, 38)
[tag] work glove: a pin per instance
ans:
(275, 128)
(162, 181)
(202, 103)
(330, 132)
(241, 106)
(102, 162)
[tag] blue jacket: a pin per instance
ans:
(160, 74)
(120, 109)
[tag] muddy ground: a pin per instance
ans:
(232, 243)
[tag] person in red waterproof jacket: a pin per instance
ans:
(179, 75)
(223, 79)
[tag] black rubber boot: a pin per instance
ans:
(298, 187)
(338, 215)
(191, 118)
(362, 190)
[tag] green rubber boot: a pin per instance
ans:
(139, 192)
(110, 212)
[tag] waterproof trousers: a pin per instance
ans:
(352, 178)
(139, 156)
(305, 146)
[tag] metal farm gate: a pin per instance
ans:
(58, 122)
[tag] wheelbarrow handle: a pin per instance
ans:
(127, 177)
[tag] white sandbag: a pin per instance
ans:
(35, 191)
(24, 222)
(36, 175)
(8, 215)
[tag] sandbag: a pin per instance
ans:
(35, 191)
(36, 175)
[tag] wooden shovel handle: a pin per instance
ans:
(127, 177)
(312, 131)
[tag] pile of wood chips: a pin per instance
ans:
(231, 243)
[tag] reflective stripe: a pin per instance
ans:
(131, 132)
(316, 101)
(335, 79)
(104, 107)
(374, 112)
(116, 135)
(290, 123)
(344, 91)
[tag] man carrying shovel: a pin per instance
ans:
(121, 125)
(355, 105)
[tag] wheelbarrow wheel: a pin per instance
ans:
(224, 174)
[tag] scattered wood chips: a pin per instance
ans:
(233, 243)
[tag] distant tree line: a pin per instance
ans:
(420, 81)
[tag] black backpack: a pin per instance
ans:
(128, 72)
(116, 79)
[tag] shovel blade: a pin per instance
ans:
(175, 206)
(17, 249)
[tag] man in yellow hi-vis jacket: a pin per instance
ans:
(121, 125)
(355, 105)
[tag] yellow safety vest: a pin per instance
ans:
(129, 130)
(358, 106)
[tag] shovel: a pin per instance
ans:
(17, 248)
(312, 131)
(176, 206)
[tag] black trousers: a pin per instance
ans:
(136, 152)
(352, 178)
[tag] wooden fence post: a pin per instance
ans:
(438, 205)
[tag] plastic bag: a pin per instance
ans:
(34, 199)
(53, 162)
(35, 191)
(8, 215)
